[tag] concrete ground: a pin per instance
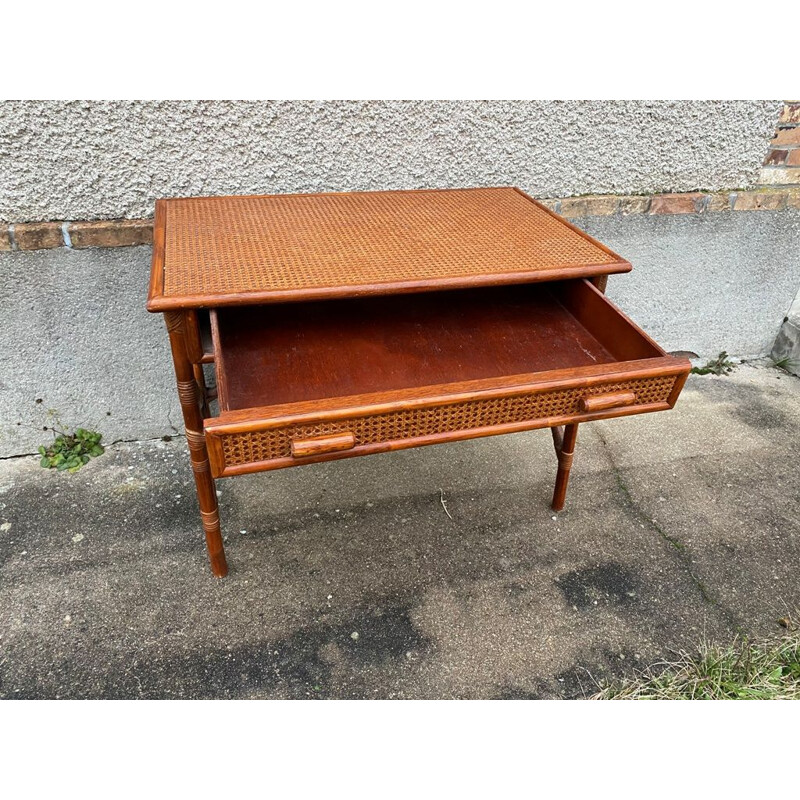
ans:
(350, 580)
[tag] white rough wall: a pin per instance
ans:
(102, 160)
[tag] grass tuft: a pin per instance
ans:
(786, 364)
(742, 671)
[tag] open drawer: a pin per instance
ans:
(306, 382)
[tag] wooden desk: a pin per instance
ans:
(346, 324)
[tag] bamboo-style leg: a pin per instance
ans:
(200, 377)
(190, 405)
(564, 442)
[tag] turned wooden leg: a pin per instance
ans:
(188, 391)
(564, 442)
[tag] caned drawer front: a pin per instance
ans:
(252, 444)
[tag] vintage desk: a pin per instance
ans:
(346, 324)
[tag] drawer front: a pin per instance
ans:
(275, 447)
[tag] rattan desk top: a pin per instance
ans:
(213, 251)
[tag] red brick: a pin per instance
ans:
(776, 157)
(791, 112)
(793, 159)
(5, 239)
(592, 206)
(38, 235)
(551, 203)
(779, 176)
(787, 136)
(634, 204)
(688, 203)
(111, 233)
(602, 205)
(720, 201)
(573, 207)
(755, 201)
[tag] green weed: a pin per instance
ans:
(743, 671)
(720, 365)
(70, 451)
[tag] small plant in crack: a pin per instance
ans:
(786, 364)
(721, 365)
(69, 450)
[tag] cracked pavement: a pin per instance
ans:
(350, 580)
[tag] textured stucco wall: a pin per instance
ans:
(95, 160)
(706, 283)
(76, 333)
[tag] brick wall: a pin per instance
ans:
(782, 164)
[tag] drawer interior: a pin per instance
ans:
(294, 352)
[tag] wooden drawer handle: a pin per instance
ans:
(323, 444)
(600, 402)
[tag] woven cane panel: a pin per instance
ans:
(218, 245)
(244, 448)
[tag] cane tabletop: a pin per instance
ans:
(213, 251)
